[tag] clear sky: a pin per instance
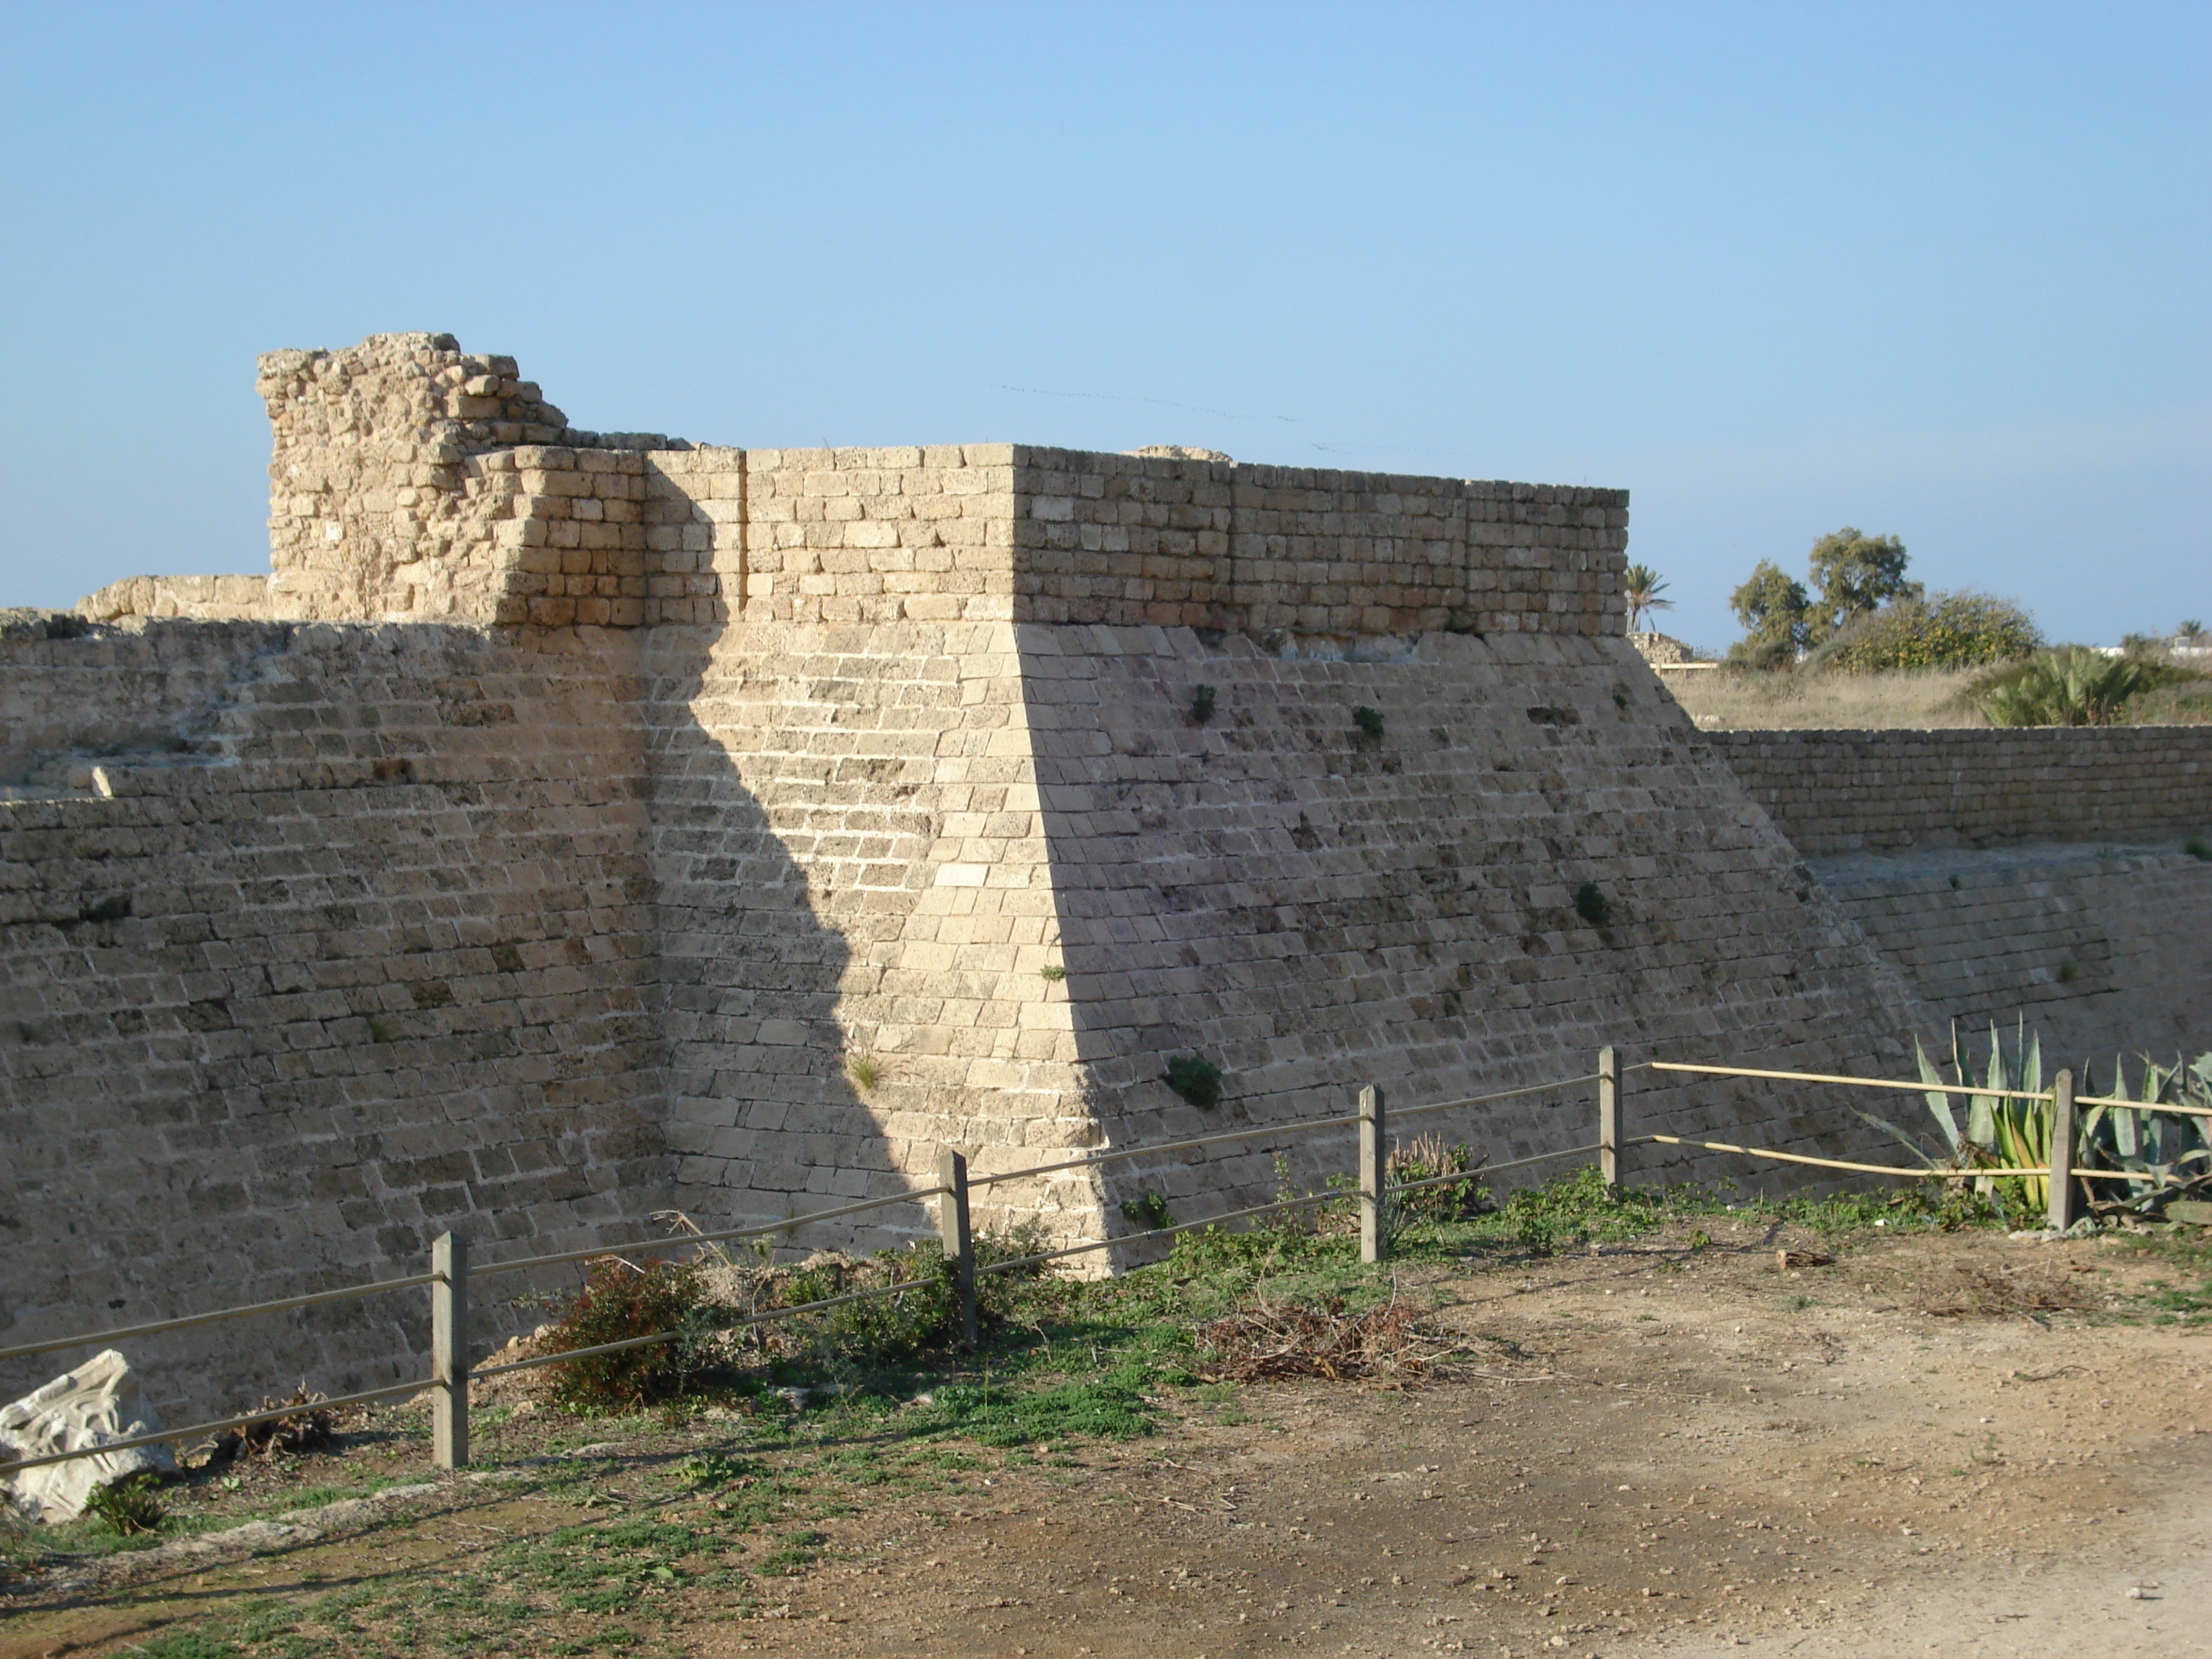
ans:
(1937, 272)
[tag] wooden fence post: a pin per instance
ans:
(2062, 1153)
(449, 1350)
(1374, 1222)
(1609, 1117)
(959, 1242)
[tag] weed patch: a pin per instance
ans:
(1111, 1407)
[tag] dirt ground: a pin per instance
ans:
(1645, 1449)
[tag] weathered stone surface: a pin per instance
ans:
(96, 1403)
(1839, 793)
(2105, 949)
(610, 808)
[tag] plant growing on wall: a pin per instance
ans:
(1149, 1210)
(1201, 704)
(1370, 722)
(1196, 1079)
(1591, 905)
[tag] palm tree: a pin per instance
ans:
(1640, 585)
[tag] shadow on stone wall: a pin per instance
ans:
(763, 1116)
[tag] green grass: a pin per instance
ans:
(2186, 1298)
(731, 1509)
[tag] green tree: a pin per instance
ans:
(1641, 586)
(1773, 609)
(1943, 630)
(1853, 575)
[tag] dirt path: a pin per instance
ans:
(1681, 1461)
(1651, 1449)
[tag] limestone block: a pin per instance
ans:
(96, 1403)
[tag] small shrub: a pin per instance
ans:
(127, 1507)
(2198, 847)
(1148, 1210)
(2069, 972)
(1196, 1079)
(865, 1073)
(2161, 1152)
(619, 1302)
(1591, 905)
(1201, 704)
(1052, 972)
(885, 1329)
(1428, 1157)
(880, 1329)
(381, 1030)
(309, 1428)
(1370, 722)
(1761, 656)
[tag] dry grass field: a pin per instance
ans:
(1719, 701)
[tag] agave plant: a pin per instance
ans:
(2011, 1129)
(2157, 1151)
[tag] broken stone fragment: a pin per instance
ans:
(1179, 452)
(96, 1403)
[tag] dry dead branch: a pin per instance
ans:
(1266, 1343)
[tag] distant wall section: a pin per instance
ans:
(2100, 948)
(1833, 793)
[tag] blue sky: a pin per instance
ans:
(1937, 272)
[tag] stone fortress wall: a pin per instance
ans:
(1837, 792)
(2039, 872)
(565, 837)
(369, 952)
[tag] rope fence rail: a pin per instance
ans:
(311, 1299)
(198, 1430)
(1370, 1190)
